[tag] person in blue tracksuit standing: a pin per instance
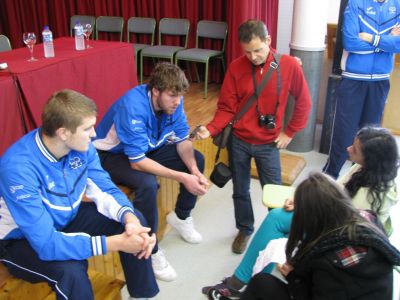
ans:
(46, 231)
(145, 134)
(371, 36)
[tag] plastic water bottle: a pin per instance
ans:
(48, 42)
(79, 38)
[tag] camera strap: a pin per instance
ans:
(274, 65)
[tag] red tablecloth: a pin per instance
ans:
(103, 73)
(11, 125)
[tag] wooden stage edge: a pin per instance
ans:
(395, 131)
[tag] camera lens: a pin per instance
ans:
(267, 121)
(270, 121)
(271, 125)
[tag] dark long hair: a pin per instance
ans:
(381, 161)
(321, 208)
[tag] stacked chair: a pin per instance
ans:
(110, 24)
(143, 30)
(4, 43)
(206, 30)
(167, 26)
(141, 27)
(83, 19)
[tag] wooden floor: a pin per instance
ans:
(199, 110)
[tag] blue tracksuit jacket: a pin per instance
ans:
(41, 195)
(132, 127)
(370, 61)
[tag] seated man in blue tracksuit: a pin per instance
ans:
(371, 30)
(144, 135)
(46, 231)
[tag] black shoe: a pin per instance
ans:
(240, 242)
(221, 289)
(214, 294)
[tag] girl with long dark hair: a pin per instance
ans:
(370, 182)
(333, 252)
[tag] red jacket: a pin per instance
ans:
(238, 87)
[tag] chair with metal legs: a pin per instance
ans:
(109, 24)
(141, 27)
(206, 30)
(167, 26)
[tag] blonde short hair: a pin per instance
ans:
(66, 108)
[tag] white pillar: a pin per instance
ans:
(284, 32)
(309, 25)
(308, 43)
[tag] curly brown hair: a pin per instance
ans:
(167, 76)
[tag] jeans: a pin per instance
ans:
(275, 225)
(269, 170)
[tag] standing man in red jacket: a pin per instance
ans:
(259, 133)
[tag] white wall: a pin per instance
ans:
(285, 14)
(333, 11)
(333, 16)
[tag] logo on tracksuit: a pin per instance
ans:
(172, 139)
(370, 11)
(14, 188)
(76, 162)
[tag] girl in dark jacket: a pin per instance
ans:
(333, 252)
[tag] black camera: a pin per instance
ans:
(267, 121)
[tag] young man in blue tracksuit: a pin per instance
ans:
(371, 36)
(46, 231)
(144, 135)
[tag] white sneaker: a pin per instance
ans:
(185, 228)
(162, 269)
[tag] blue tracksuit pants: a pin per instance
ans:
(69, 278)
(145, 185)
(359, 103)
